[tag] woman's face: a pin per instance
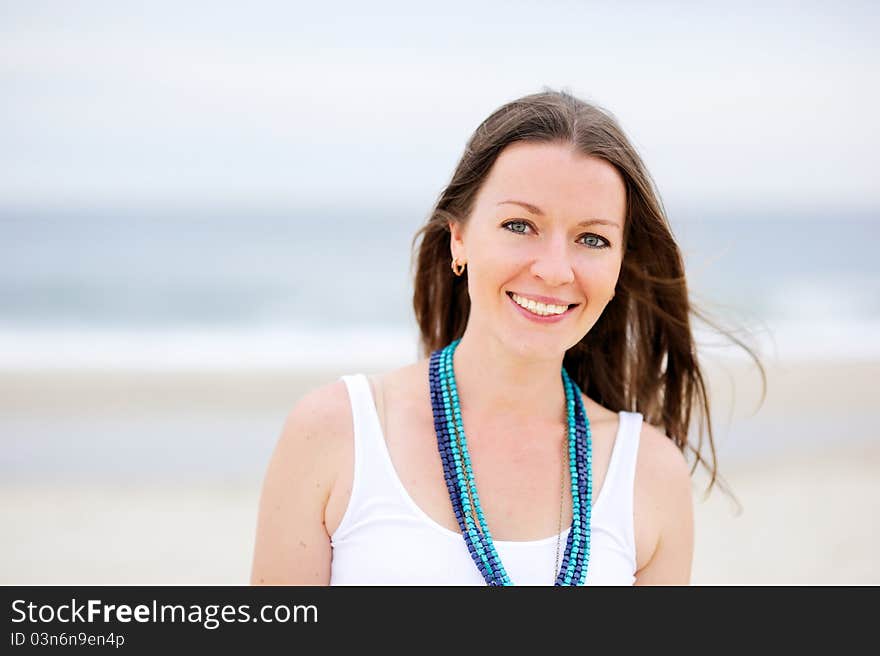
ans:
(547, 222)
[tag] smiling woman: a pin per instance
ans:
(558, 361)
(553, 259)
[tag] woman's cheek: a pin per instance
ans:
(596, 272)
(504, 259)
(598, 285)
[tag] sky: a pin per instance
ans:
(210, 104)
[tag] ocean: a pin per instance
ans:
(264, 288)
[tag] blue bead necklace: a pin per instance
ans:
(462, 488)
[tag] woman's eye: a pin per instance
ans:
(591, 240)
(516, 223)
(595, 241)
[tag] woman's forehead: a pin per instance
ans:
(554, 178)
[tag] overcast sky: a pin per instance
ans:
(285, 104)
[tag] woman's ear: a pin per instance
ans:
(456, 240)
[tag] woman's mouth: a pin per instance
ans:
(540, 312)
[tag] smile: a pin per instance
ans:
(543, 312)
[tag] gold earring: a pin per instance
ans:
(455, 267)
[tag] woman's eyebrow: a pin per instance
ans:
(537, 210)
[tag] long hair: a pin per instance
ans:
(640, 355)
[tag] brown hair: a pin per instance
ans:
(640, 355)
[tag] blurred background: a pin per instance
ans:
(206, 210)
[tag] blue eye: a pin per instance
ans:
(590, 239)
(595, 239)
(519, 232)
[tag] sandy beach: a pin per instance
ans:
(118, 477)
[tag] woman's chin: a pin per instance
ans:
(536, 347)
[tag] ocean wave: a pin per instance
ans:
(363, 346)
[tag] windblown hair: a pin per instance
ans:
(640, 355)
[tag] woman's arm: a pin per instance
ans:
(665, 498)
(292, 545)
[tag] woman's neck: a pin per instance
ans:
(494, 382)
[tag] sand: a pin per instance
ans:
(806, 469)
(803, 520)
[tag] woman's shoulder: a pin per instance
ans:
(658, 455)
(300, 477)
(317, 429)
(402, 385)
(660, 461)
(326, 409)
(664, 508)
(321, 407)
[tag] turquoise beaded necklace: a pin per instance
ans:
(460, 481)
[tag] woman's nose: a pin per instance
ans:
(552, 263)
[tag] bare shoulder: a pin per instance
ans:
(324, 413)
(292, 546)
(401, 388)
(660, 461)
(663, 510)
(318, 427)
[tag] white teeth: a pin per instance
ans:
(538, 308)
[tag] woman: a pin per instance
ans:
(558, 361)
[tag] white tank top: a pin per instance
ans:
(384, 538)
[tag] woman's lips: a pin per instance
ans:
(550, 318)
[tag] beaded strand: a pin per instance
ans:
(573, 537)
(461, 484)
(585, 461)
(466, 479)
(474, 542)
